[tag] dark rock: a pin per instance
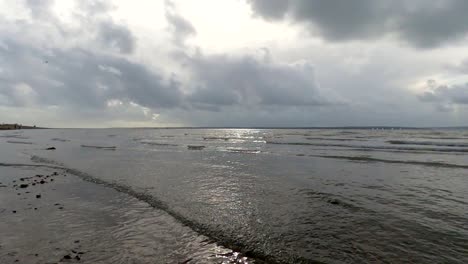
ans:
(36, 254)
(61, 207)
(24, 185)
(51, 179)
(55, 173)
(33, 183)
(76, 241)
(42, 182)
(51, 148)
(67, 257)
(35, 208)
(74, 251)
(38, 196)
(21, 179)
(77, 258)
(14, 211)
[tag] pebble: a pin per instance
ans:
(24, 185)
(38, 196)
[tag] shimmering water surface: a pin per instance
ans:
(285, 195)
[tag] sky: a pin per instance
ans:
(234, 63)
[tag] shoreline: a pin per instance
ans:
(52, 216)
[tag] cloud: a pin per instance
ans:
(78, 78)
(87, 68)
(180, 28)
(39, 9)
(423, 24)
(116, 37)
(248, 80)
(445, 97)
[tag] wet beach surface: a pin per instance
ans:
(280, 196)
(48, 216)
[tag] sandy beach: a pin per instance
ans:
(49, 216)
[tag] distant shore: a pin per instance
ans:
(17, 127)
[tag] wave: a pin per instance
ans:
(99, 147)
(361, 147)
(60, 139)
(16, 136)
(410, 162)
(194, 147)
(447, 137)
(241, 150)
(152, 143)
(219, 138)
(19, 142)
(428, 143)
(334, 139)
(223, 239)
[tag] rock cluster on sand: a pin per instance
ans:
(29, 183)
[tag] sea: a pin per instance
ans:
(365, 195)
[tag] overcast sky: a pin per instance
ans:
(101, 63)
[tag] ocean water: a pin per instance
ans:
(282, 195)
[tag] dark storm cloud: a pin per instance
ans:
(94, 19)
(179, 26)
(248, 80)
(422, 23)
(445, 96)
(116, 37)
(81, 79)
(251, 81)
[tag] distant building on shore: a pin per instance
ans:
(14, 127)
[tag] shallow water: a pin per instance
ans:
(298, 195)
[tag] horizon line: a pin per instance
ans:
(269, 127)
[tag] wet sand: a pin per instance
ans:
(49, 216)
